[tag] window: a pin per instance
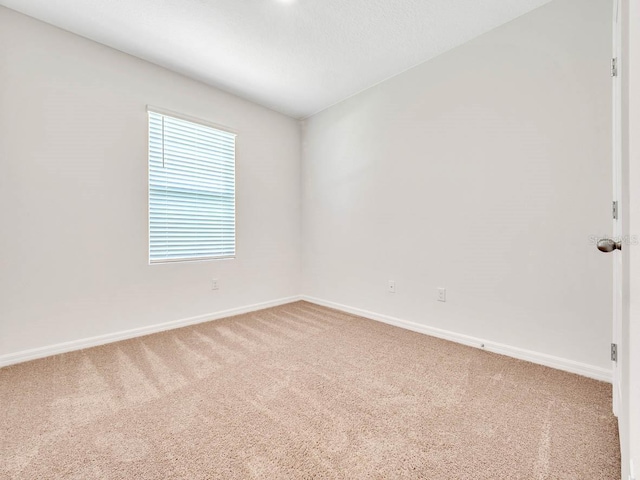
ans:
(191, 190)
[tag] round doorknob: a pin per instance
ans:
(607, 245)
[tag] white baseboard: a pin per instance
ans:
(571, 366)
(32, 354)
(583, 369)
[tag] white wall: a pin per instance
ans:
(485, 171)
(73, 193)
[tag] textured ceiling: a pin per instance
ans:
(295, 56)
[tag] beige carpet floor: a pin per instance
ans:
(300, 392)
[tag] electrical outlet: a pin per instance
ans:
(214, 284)
(392, 286)
(442, 294)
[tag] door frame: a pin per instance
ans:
(616, 157)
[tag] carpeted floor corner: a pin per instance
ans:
(301, 392)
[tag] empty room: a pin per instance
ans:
(320, 239)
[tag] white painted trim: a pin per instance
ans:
(567, 365)
(616, 162)
(190, 118)
(32, 354)
(583, 369)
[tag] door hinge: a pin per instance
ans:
(614, 67)
(614, 210)
(614, 352)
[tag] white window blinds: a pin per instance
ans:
(191, 190)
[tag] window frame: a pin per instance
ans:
(204, 123)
